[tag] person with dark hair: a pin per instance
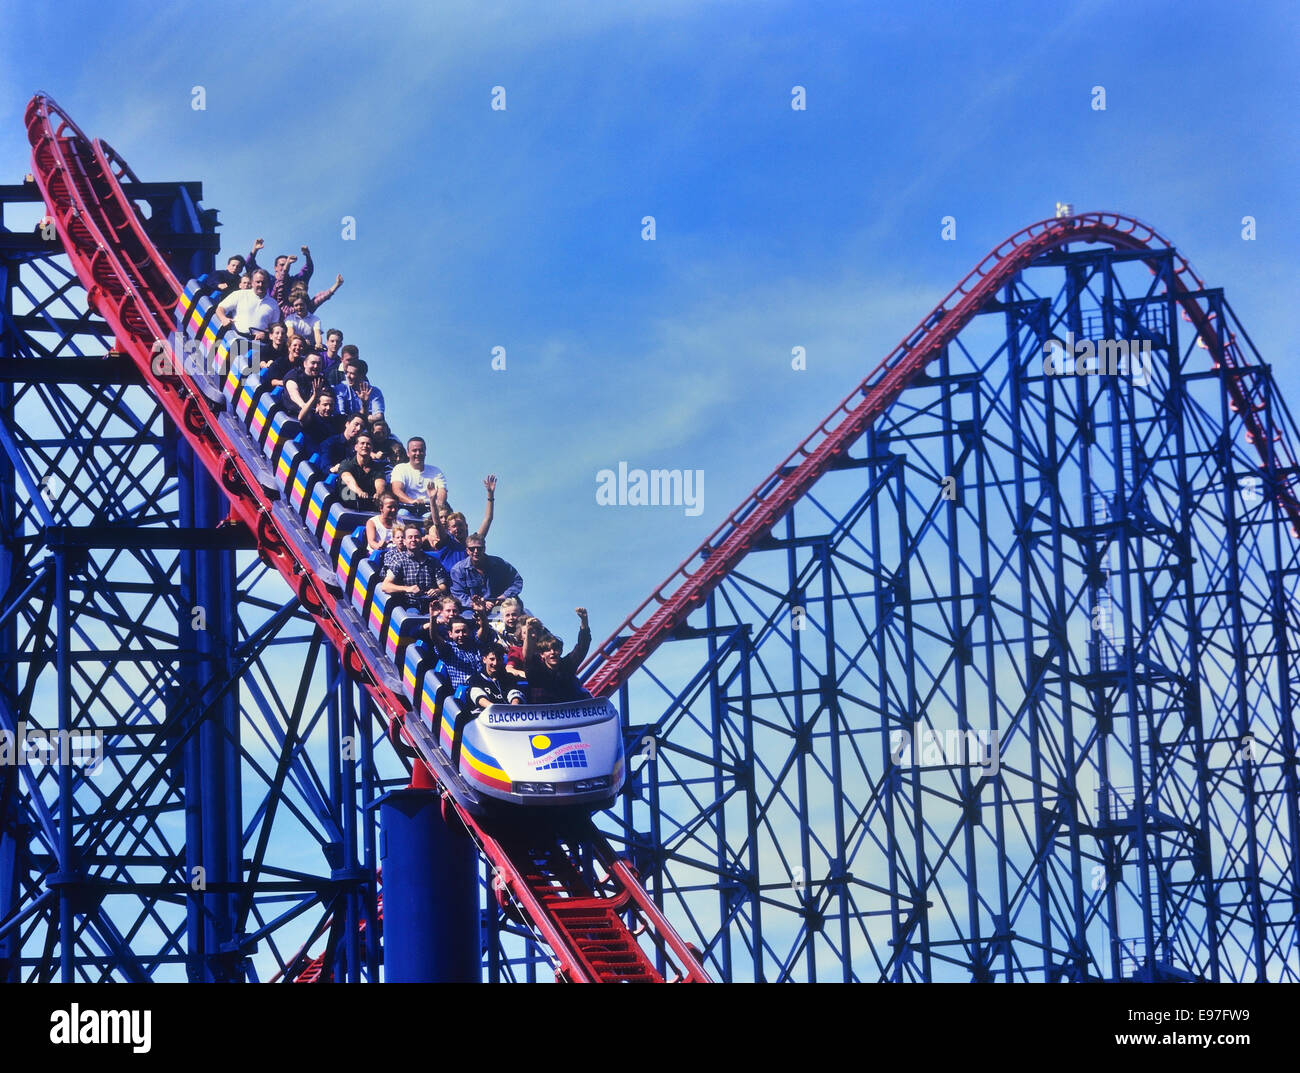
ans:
(338, 449)
(380, 528)
(488, 577)
(226, 280)
(552, 678)
(283, 281)
(356, 394)
(303, 385)
(318, 420)
(416, 483)
(331, 357)
(492, 685)
(385, 446)
(459, 649)
(409, 574)
(273, 352)
(347, 354)
(361, 478)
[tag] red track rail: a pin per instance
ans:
(690, 584)
(130, 285)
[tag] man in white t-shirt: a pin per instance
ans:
(412, 481)
(252, 311)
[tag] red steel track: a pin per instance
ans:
(687, 587)
(130, 285)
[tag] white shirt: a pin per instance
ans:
(304, 326)
(416, 483)
(250, 312)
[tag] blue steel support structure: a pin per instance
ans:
(1011, 692)
(1008, 694)
(229, 832)
(225, 829)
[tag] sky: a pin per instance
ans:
(774, 227)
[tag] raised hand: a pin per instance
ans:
(338, 280)
(258, 245)
(490, 483)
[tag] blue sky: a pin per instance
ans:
(775, 228)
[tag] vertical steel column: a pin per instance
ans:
(836, 729)
(751, 804)
(901, 909)
(65, 880)
(726, 892)
(431, 909)
(1177, 404)
(368, 894)
(212, 786)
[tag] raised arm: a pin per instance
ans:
(531, 629)
(480, 608)
(437, 500)
(251, 265)
(309, 404)
(308, 268)
(490, 483)
(324, 296)
(579, 652)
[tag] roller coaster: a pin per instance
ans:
(243, 437)
(726, 815)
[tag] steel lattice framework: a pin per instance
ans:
(226, 825)
(231, 830)
(1010, 693)
(995, 679)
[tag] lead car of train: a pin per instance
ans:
(532, 756)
